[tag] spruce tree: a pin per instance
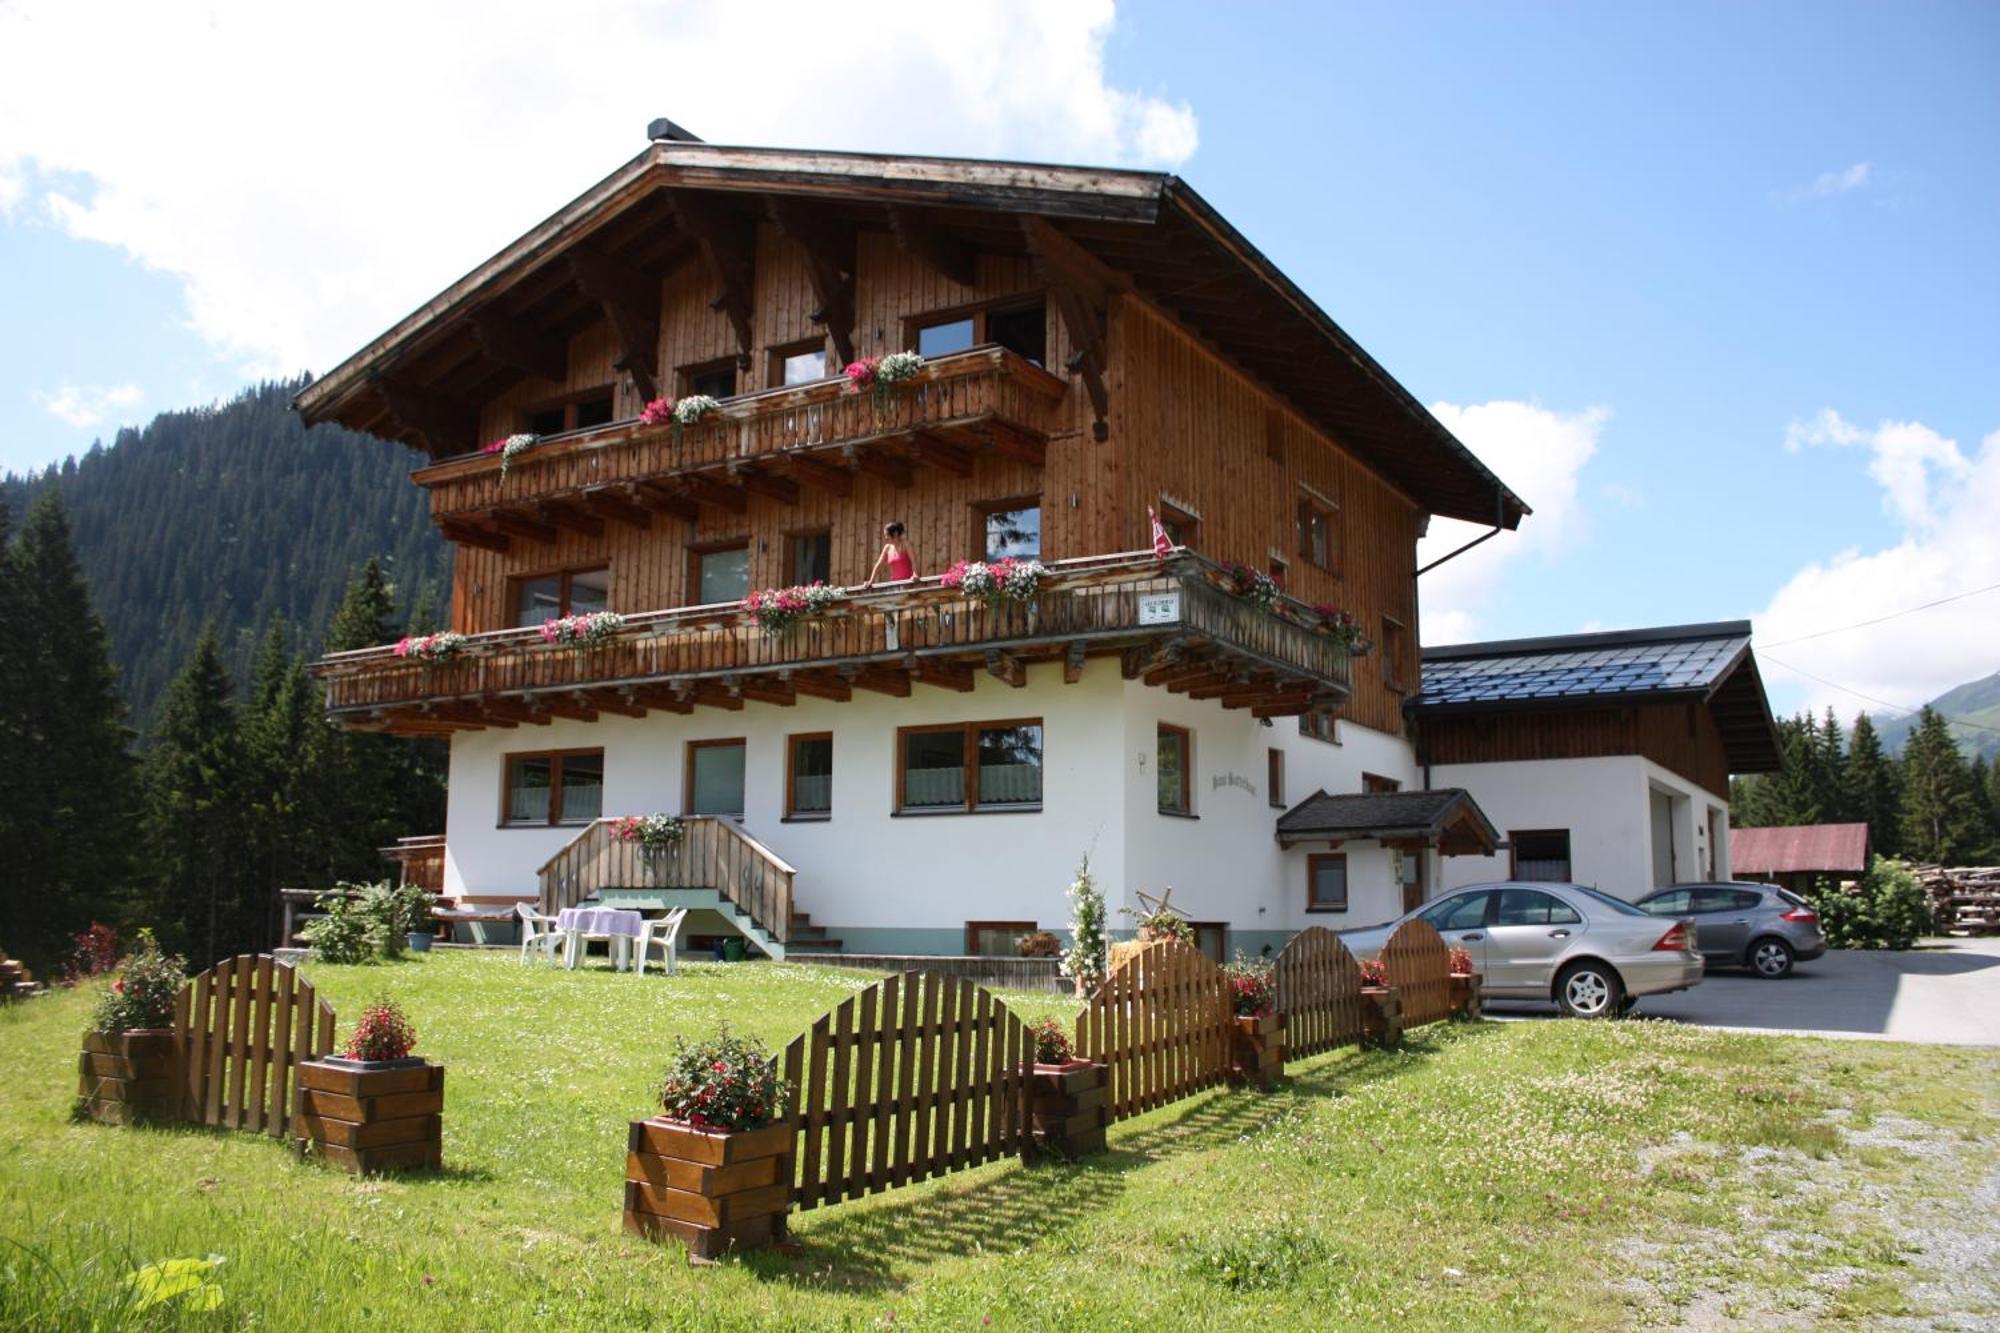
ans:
(1871, 794)
(367, 614)
(69, 789)
(1979, 777)
(196, 820)
(1830, 771)
(284, 755)
(14, 895)
(1941, 818)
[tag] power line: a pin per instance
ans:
(1900, 708)
(1893, 615)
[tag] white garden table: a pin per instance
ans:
(619, 925)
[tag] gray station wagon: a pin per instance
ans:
(1744, 924)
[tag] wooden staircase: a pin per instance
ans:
(805, 936)
(716, 866)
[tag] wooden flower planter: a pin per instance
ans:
(371, 1116)
(1465, 994)
(1381, 1016)
(1066, 1114)
(713, 1190)
(131, 1077)
(1257, 1050)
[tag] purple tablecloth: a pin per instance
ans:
(604, 921)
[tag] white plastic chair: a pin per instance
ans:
(663, 931)
(538, 932)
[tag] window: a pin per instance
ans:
(996, 939)
(1010, 529)
(1183, 528)
(554, 787)
(976, 766)
(1175, 760)
(721, 573)
(1540, 854)
(1377, 785)
(577, 411)
(569, 592)
(1315, 520)
(1395, 651)
(1726, 900)
(1021, 328)
(1321, 725)
(1326, 882)
(809, 775)
(1467, 911)
(1673, 902)
(1212, 939)
(1529, 907)
(1274, 776)
(811, 557)
(797, 363)
(715, 777)
(1278, 570)
(715, 378)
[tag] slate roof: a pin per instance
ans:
(1807, 847)
(1400, 814)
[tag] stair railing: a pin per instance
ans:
(713, 853)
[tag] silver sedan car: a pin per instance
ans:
(1589, 952)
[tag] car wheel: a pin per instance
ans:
(1771, 958)
(1589, 990)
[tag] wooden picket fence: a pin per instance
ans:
(1160, 1023)
(242, 1028)
(916, 1076)
(1319, 993)
(1419, 966)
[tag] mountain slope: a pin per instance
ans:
(229, 514)
(1975, 701)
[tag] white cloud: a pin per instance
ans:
(1829, 183)
(1539, 453)
(86, 405)
(1943, 504)
(310, 180)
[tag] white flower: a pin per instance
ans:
(897, 367)
(693, 408)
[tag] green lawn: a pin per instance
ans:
(1489, 1175)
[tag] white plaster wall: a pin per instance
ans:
(1603, 802)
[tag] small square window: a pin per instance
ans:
(722, 575)
(809, 776)
(1175, 760)
(717, 379)
(1540, 854)
(592, 411)
(1011, 532)
(798, 363)
(570, 592)
(715, 777)
(1321, 725)
(1023, 330)
(943, 338)
(555, 787)
(1326, 882)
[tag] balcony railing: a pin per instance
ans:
(1180, 614)
(974, 399)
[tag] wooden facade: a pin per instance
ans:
(1681, 737)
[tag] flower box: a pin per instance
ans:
(130, 1077)
(1257, 1049)
(369, 1116)
(1066, 1112)
(1465, 994)
(1381, 1016)
(714, 1190)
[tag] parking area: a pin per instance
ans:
(1947, 991)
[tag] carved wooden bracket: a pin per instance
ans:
(1082, 286)
(830, 264)
(515, 345)
(631, 302)
(941, 251)
(729, 245)
(446, 425)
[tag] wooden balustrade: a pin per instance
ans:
(712, 854)
(986, 396)
(668, 659)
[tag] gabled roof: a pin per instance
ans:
(664, 206)
(1804, 848)
(1448, 816)
(1709, 663)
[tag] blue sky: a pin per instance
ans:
(1634, 254)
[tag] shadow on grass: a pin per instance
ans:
(861, 1250)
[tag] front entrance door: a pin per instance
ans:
(1413, 880)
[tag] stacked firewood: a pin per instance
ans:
(15, 979)
(1964, 899)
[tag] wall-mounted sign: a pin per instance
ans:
(1221, 780)
(1160, 609)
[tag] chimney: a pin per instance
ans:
(664, 129)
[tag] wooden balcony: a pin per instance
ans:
(1172, 623)
(773, 443)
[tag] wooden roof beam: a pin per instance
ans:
(446, 425)
(934, 247)
(520, 523)
(619, 701)
(616, 503)
(830, 263)
(712, 492)
(515, 711)
(818, 685)
(881, 679)
(878, 464)
(711, 695)
(1073, 659)
(574, 709)
(943, 675)
(631, 302)
(768, 692)
(728, 243)
(467, 533)
(821, 475)
(571, 517)
(515, 345)
(939, 452)
(767, 484)
(1082, 286)
(1006, 667)
(664, 699)
(1004, 439)
(662, 499)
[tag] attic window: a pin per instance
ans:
(1020, 327)
(715, 378)
(577, 411)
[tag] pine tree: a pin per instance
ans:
(285, 753)
(1979, 778)
(1941, 817)
(1871, 795)
(1829, 774)
(367, 614)
(69, 791)
(14, 894)
(196, 821)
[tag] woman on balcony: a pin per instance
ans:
(896, 554)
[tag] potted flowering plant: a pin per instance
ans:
(1342, 628)
(779, 610)
(1163, 923)
(375, 1106)
(431, 649)
(708, 1168)
(1065, 1095)
(1464, 981)
(692, 411)
(1252, 585)
(511, 448)
(878, 376)
(583, 630)
(1052, 1048)
(657, 413)
(1381, 1009)
(131, 1059)
(1256, 1047)
(1001, 580)
(656, 834)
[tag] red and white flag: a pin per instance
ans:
(1162, 543)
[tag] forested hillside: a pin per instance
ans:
(1974, 712)
(228, 515)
